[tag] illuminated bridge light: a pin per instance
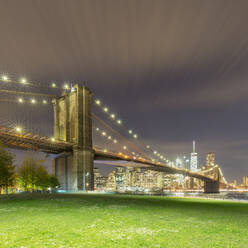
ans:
(66, 87)
(52, 139)
(53, 85)
(105, 150)
(115, 141)
(104, 133)
(44, 101)
(135, 136)
(119, 121)
(97, 129)
(23, 80)
(20, 100)
(124, 147)
(155, 152)
(105, 109)
(130, 131)
(98, 102)
(148, 147)
(112, 116)
(33, 101)
(18, 129)
(109, 137)
(4, 78)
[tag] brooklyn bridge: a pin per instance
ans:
(75, 140)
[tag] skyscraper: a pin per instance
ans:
(193, 161)
(210, 160)
(245, 181)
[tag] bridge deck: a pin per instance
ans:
(29, 141)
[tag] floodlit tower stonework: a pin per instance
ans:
(193, 161)
(73, 123)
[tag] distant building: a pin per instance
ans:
(193, 161)
(245, 181)
(235, 183)
(210, 160)
(99, 180)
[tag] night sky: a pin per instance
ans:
(174, 71)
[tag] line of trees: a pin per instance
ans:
(31, 176)
(7, 170)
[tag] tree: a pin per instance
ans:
(31, 174)
(7, 169)
(43, 178)
(54, 182)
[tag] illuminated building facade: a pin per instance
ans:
(193, 161)
(210, 160)
(245, 181)
(99, 180)
(137, 179)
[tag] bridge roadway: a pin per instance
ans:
(28, 141)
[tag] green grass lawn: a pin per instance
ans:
(120, 221)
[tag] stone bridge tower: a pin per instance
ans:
(73, 123)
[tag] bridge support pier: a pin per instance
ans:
(83, 164)
(75, 171)
(211, 187)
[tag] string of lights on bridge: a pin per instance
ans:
(113, 117)
(23, 81)
(111, 139)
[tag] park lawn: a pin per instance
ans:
(90, 220)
